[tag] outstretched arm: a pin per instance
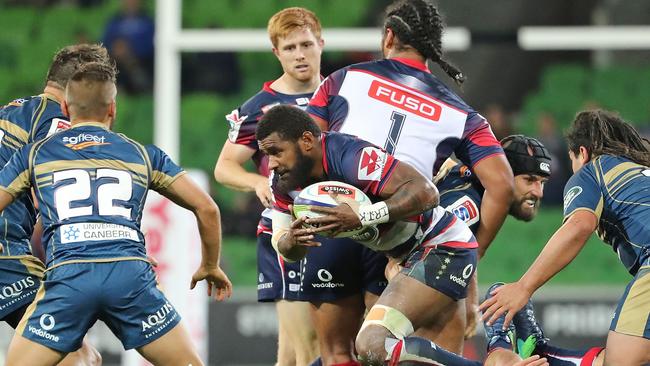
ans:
(185, 193)
(560, 250)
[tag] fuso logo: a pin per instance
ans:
(404, 100)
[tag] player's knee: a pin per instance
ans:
(370, 344)
(381, 322)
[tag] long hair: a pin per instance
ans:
(418, 23)
(602, 132)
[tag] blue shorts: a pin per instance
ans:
(340, 268)
(276, 278)
(444, 268)
(123, 294)
(632, 315)
(20, 278)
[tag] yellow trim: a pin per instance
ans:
(14, 130)
(12, 142)
(617, 171)
(50, 97)
(30, 310)
(34, 266)
(19, 257)
(99, 260)
(57, 165)
(635, 310)
(566, 217)
(42, 107)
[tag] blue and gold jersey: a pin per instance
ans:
(23, 121)
(617, 191)
(91, 185)
(460, 192)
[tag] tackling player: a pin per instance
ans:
(296, 37)
(91, 186)
(439, 258)
(23, 121)
(608, 193)
(398, 104)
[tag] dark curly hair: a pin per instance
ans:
(602, 132)
(417, 23)
(288, 121)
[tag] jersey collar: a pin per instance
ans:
(95, 124)
(413, 63)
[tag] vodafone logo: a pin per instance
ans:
(404, 100)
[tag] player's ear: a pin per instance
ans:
(584, 155)
(64, 109)
(276, 52)
(307, 141)
(388, 41)
(112, 109)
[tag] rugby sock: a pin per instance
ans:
(420, 351)
(557, 356)
(317, 362)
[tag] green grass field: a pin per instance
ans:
(509, 256)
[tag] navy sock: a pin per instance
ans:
(316, 362)
(558, 356)
(418, 350)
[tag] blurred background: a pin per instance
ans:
(519, 90)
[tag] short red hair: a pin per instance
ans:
(287, 20)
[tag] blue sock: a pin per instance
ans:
(317, 362)
(557, 356)
(418, 350)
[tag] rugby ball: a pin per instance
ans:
(318, 194)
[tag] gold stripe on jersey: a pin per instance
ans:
(613, 176)
(18, 185)
(56, 165)
(33, 265)
(11, 142)
(161, 180)
(98, 260)
(14, 130)
(42, 106)
(30, 310)
(633, 318)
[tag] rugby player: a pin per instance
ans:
(295, 34)
(439, 256)
(608, 193)
(398, 104)
(91, 185)
(24, 121)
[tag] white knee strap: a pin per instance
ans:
(392, 319)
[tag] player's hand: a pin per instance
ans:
(532, 361)
(337, 219)
(298, 235)
(509, 299)
(218, 282)
(263, 192)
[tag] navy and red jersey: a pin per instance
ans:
(399, 105)
(351, 160)
(243, 120)
(461, 193)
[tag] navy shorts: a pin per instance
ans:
(443, 268)
(340, 268)
(632, 315)
(123, 294)
(20, 278)
(276, 278)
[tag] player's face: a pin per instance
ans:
(529, 190)
(289, 164)
(299, 54)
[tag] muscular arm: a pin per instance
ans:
(495, 175)
(408, 193)
(185, 193)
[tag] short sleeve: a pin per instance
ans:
(49, 127)
(163, 170)
(327, 104)
(478, 141)
(582, 192)
(15, 177)
(242, 127)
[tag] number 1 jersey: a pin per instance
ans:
(91, 185)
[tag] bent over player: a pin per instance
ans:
(608, 193)
(91, 185)
(23, 121)
(438, 259)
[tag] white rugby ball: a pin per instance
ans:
(318, 194)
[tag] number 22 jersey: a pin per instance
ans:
(91, 185)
